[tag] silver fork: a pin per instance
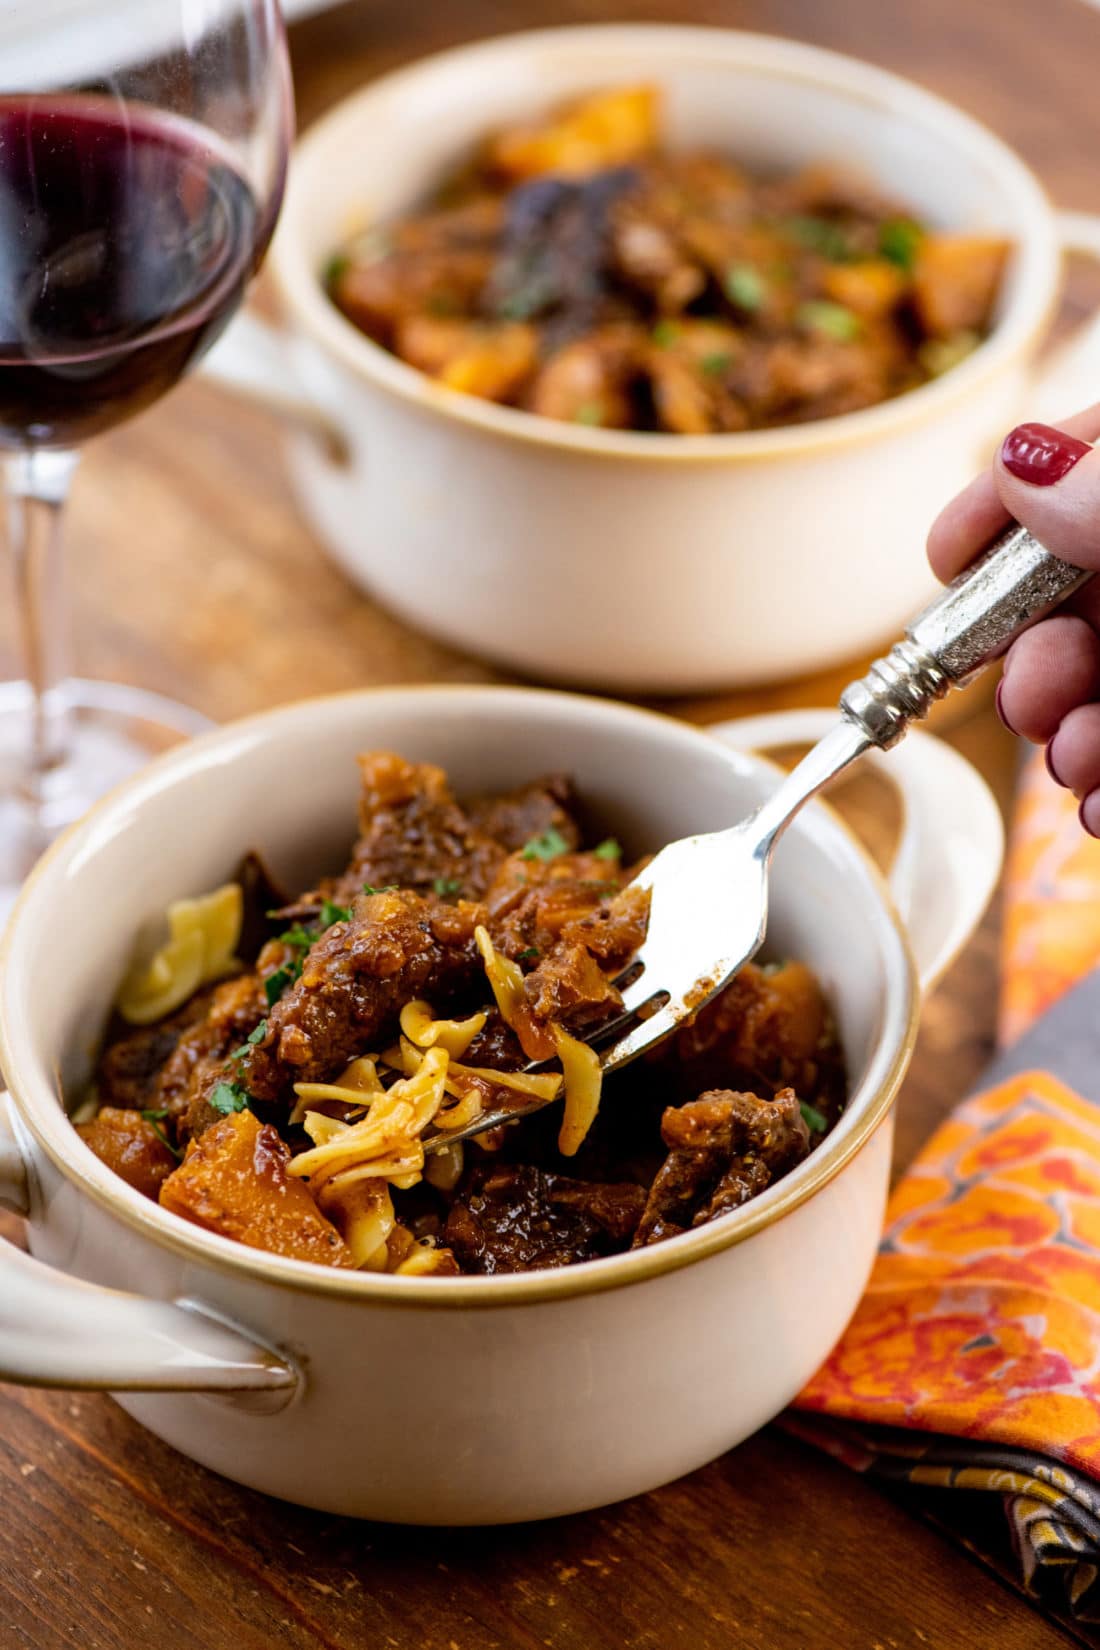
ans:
(709, 894)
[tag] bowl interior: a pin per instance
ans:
(773, 104)
(286, 784)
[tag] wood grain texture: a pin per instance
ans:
(194, 575)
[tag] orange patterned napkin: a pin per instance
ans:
(973, 1360)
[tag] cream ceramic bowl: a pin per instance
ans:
(632, 561)
(475, 1400)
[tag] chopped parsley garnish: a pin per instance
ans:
(607, 849)
(899, 240)
(229, 1097)
(820, 235)
(745, 286)
(547, 846)
(155, 1118)
(389, 888)
(332, 913)
(716, 363)
(665, 333)
(819, 315)
(276, 983)
(337, 266)
(298, 937)
(812, 1118)
(532, 951)
(256, 1035)
(445, 886)
(589, 412)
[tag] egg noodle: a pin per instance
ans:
(354, 1161)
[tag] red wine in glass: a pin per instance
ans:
(143, 152)
(126, 240)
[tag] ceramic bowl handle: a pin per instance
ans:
(1066, 379)
(59, 1331)
(949, 853)
(253, 358)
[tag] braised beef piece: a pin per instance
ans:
(133, 1055)
(354, 982)
(553, 261)
(232, 1009)
(521, 816)
(724, 1149)
(512, 1218)
(496, 1045)
(771, 1028)
(413, 834)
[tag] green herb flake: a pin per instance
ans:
(547, 846)
(390, 888)
(153, 1118)
(745, 287)
(258, 1035)
(276, 984)
(532, 951)
(899, 240)
(156, 1116)
(715, 364)
(332, 913)
(608, 849)
(229, 1097)
(819, 235)
(446, 886)
(664, 333)
(812, 1118)
(298, 937)
(831, 320)
(336, 268)
(589, 412)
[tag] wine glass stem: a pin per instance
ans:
(37, 486)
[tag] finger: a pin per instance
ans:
(1049, 671)
(973, 518)
(1089, 813)
(1050, 481)
(1073, 755)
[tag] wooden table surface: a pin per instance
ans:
(194, 575)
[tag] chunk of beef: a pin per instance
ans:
(130, 1145)
(513, 820)
(133, 1056)
(231, 1011)
(770, 1028)
(355, 980)
(513, 1218)
(724, 1149)
(234, 1181)
(413, 834)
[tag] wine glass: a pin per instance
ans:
(143, 151)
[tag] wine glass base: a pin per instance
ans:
(111, 732)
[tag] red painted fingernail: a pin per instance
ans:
(1051, 769)
(1038, 454)
(1085, 826)
(1000, 707)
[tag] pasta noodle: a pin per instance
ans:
(203, 937)
(583, 1081)
(454, 1035)
(505, 976)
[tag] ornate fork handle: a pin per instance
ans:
(1014, 583)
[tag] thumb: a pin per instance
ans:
(1050, 481)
